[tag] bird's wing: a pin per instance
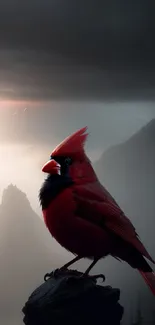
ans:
(106, 213)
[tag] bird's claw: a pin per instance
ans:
(47, 276)
(94, 277)
(58, 272)
(86, 276)
(54, 273)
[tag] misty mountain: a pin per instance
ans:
(27, 252)
(127, 171)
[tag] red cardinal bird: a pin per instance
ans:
(82, 216)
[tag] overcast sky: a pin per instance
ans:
(56, 49)
(76, 63)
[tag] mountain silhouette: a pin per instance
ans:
(127, 170)
(27, 252)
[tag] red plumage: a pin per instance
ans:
(85, 219)
(72, 145)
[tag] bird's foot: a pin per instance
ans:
(94, 277)
(62, 271)
(55, 273)
(72, 273)
(85, 276)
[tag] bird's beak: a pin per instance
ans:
(50, 167)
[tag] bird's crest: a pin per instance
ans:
(72, 144)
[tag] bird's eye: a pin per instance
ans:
(68, 161)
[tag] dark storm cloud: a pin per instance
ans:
(77, 49)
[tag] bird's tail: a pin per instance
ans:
(149, 278)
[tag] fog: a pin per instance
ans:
(30, 131)
(47, 123)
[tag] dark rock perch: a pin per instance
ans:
(67, 298)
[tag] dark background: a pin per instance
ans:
(77, 49)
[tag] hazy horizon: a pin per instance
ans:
(29, 133)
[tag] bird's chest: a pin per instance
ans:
(58, 215)
(71, 231)
(60, 219)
